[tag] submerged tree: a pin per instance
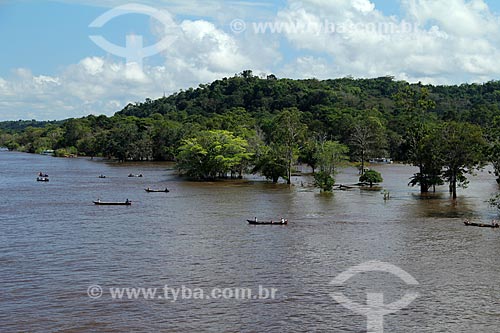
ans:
(419, 148)
(494, 158)
(371, 177)
(330, 155)
(423, 151)
(271, 163)
(462, 147)
(288, 131)
(495, 201)
(368, 138)
(212, 154)
(324, 181)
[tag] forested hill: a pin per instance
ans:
(320, 100)
(264, 125)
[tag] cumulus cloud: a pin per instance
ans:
(430, 41)
(438, 41)
(201, 53)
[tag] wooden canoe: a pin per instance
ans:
(253, 222)
(156, 191)
(481, 225)
(102, 203)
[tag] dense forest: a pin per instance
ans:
(265, 125)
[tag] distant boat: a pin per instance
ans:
(102, 176)
(482, 225)
(253, 222)
(132, 175)
(381, 160)
(103, 203)
(47, 152)
(42, 179)
(156, 191)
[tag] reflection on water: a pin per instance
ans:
(55, 243)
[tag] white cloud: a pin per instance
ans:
(441, 41)
(432, 41)
(201, 53)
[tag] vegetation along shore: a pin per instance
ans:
(265, 125)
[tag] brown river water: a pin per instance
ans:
(55, 244)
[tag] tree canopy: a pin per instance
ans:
(267, 124)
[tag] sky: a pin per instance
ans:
(72, 58)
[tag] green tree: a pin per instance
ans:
(423, 150)
(462, 149)
(494, 158)
(330, 155)
(420, 150)
(212, 154)
(288, 131)
(309, 154)
(324, 181)
(495, 201)
(270, 163)
(371, 177)
(368, 138)
(165, 136)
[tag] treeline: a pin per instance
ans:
(247, 123)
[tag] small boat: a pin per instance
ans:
(166, 190)
(137, 176)
(482, 225)
(43, 175)
(102, 203)
(42, 179)
(253, 222)
(102, 176)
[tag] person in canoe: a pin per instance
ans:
(283, 220)
(127, 201)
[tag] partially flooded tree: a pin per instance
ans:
(288, 131)
(371, 177)
(368, 138)
(462, 147)
(414, 105)
(271, 163)
(212, 154)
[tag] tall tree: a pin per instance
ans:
(413, 105)
(330, 155)
(494, 158)
(270, 162)
(462, 147)
(288, 131)
(368, 138)
(212, 154)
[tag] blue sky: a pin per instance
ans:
(51, 69)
